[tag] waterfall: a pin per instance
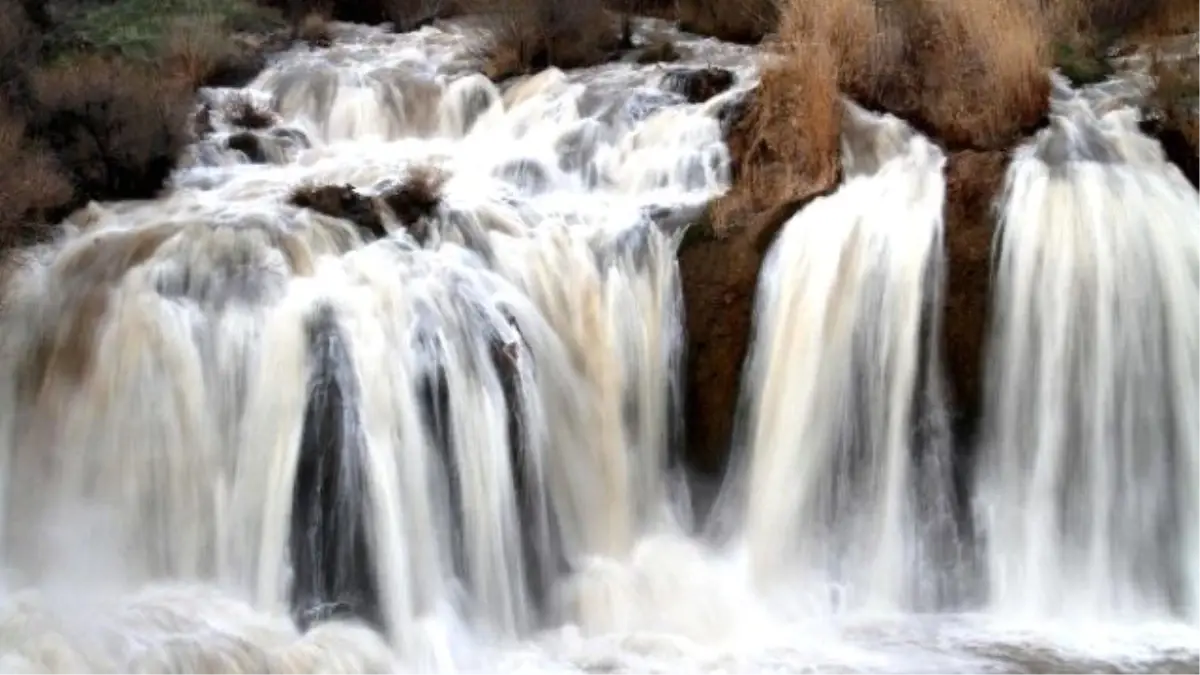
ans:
(425, 419)
(389, 378)
(1087, 489)
(847, 454)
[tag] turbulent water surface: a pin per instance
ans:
(240, 435)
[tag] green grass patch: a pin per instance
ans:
(142, 28)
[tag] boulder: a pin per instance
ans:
(698, 85)
(345, 202)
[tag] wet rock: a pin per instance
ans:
(201, 122)
(247, 55)
(743, 22)
(345, 202)
(329, 541)
(719, 267)
(699, 84)
(974, 181)
(416, 198)
(249, 144)
(659, 51)
(242, 111)
(1180, 148)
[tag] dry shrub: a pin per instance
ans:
(1172, 115)
(660, 50)
(417, 195)
(201, 52)
(115, 126)
(20, 44)
(32, 189)
(785, 145)
(341, 201)
(529, 35)
(241, 110)
(406, 15)
(744, 21)
(314, 29)
(1105, 20)
(972, 73)
(195, 49)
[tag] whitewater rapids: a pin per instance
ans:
(239, 435)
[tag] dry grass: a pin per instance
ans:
(31, 186)
(785, 146)
(971, 73)
(659, 50)
(314, 29)
(528, 35)
(196, 49)
(417, 195)
(1173, 116)
(116, 127)
(745, 21)
(242, 111)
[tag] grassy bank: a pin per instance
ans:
(96, 95)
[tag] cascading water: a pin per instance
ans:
(240, 434)
(847, 454)
(1088, 486)
(247, 394)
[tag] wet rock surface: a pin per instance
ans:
(698, 84)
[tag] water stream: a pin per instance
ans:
(240, 435)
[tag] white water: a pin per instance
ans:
(841, 497)
(171, 366)
(1088, 488)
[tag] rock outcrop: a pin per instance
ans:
(719, 262)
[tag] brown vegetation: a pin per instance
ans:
(661, 50)
(1173, 112)
(115, 126)
(314, 29)
(342, 201)
(31, 186)
(416, 197)
(698, 84)
(242, 111)
(85, 127)
(744, 21)
(528, 35)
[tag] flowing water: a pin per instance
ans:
(1088, 489)
(242, 436)
(843, 373)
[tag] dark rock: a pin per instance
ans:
(1179, 149)
(334, 576)
(974, 181)
(342, 201)
(247, 143)
(416, 198)
(661, 51)
(700, 84)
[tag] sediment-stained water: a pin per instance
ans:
(241, 434)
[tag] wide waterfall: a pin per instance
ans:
(1088, 489)
(389, 379)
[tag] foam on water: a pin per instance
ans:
(1087, 492)
(841, 496)
(242, 436)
